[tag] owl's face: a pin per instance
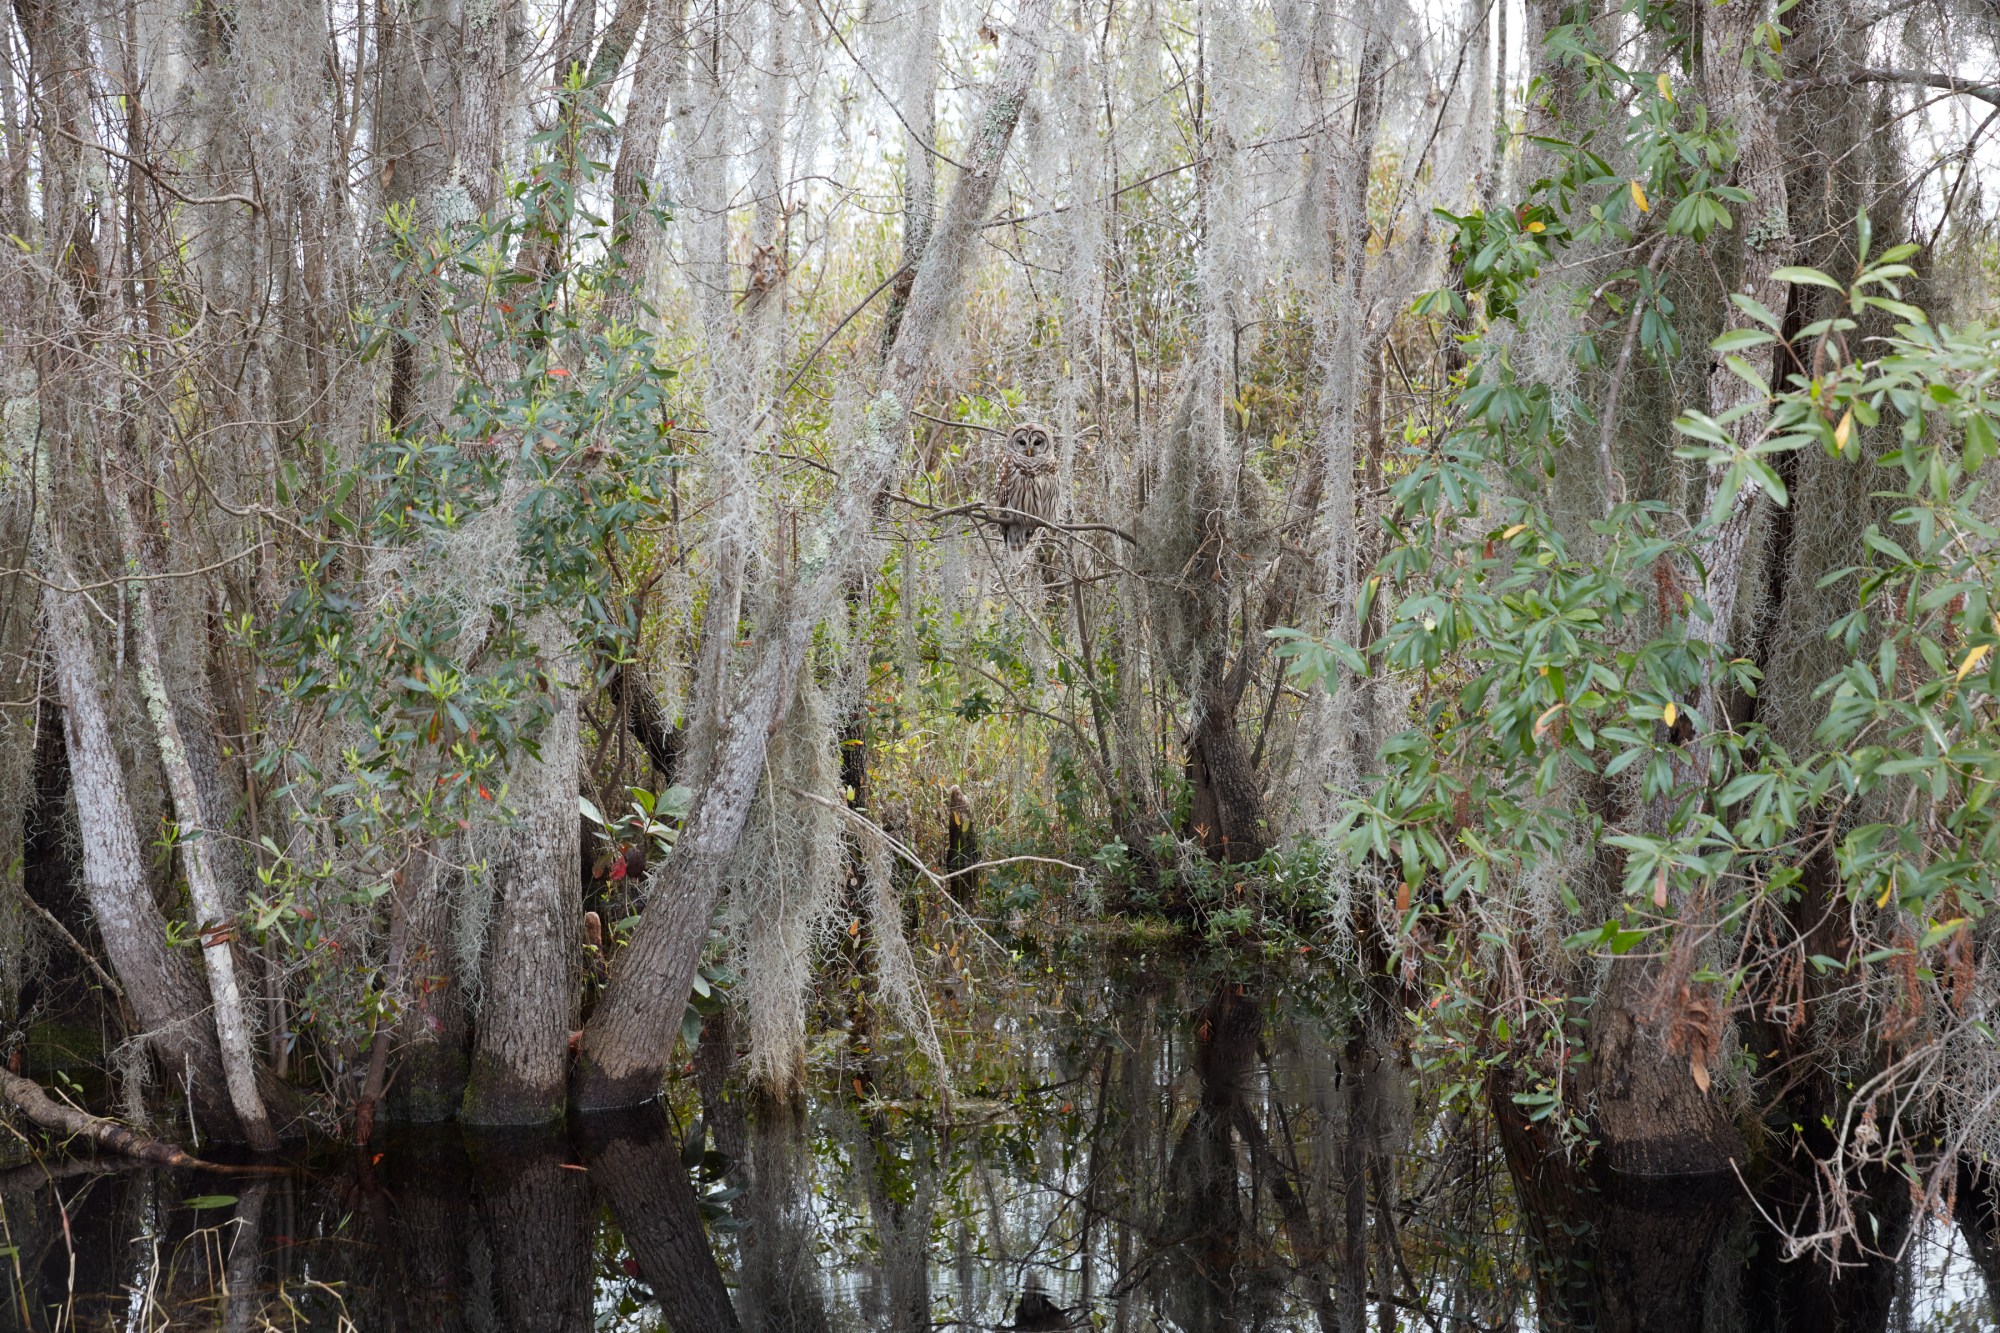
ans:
(1031, 438)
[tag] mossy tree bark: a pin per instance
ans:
(198, 842)
(167, 996)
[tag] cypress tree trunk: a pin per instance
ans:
(532, 990)
(431, 1031)
(49, 872)
(167, 996)
(1228, 808)
(207, 898)
(1738, 90)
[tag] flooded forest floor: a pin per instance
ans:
(1151, 1136)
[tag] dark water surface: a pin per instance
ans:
(1135, 1143)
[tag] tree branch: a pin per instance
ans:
(1985, 92)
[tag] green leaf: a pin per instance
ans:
(1937, 934)
(1756, 309)
(1737, 339)
(201, 1201)
(1978, 441)
(691, 1027)
(1810, 277)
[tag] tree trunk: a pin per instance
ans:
(634, 229)
(166, 995)
(198, 843)
(1654, 1118)
(432, 1031)
(630, 1036)
(918, 96)
(961, 846)
(532, 990)
(648, 722)
(49, 873)
(1738, 92)
(1228, 808)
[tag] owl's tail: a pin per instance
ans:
(1016, 535)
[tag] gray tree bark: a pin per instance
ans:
(520, 1056)
(1738, 91)
(166, 994)
(207, 896)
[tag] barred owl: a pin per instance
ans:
(1026, 482)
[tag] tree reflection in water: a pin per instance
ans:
(1219, 1149)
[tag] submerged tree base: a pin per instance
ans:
(1201, 1139)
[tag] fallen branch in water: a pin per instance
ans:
(45, 1111)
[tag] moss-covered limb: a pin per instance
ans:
(628, 1035)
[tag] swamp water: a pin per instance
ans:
(1178, 1142)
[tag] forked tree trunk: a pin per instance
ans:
(207, 898)
(628, 1041)
(167, 996)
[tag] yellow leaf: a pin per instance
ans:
(1537, 227)
(1887, 893)
(1695, 1066)
(1513, 532)
(1669, 713)
(1639, 198)
(1542, 722)
(1973, 659)
(1665, 86)
(1842, 431)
